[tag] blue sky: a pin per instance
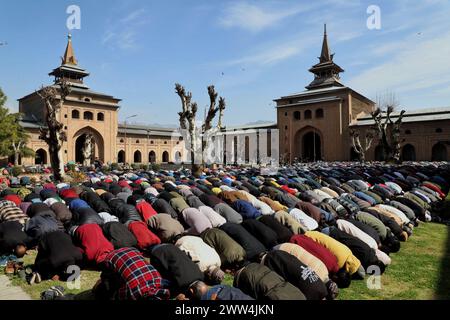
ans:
(253, 51)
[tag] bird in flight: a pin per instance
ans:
(3, 43)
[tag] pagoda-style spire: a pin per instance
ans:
(326, 72)
(325, 55)
(69, 69)
(69, 56)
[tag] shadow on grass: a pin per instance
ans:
(443, 290)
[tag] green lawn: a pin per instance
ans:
(417, 271)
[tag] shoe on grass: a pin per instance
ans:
(38, 277)
(32, 279)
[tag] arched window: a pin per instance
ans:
(100, 117)
(319, 113)
(122, 141)
(121, 157)
(439, 152)
(297, 115)
(88, 115)
(308, 114)
(40, 157)
(75, 114)
(165, 157)
(408, 153)
(137, 157)
(408, 132)
(438, 130)
(152, 157)
(137, 141)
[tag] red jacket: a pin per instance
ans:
(146, 210)
(93, 243)
(289, 190)
(13, 198)
(145, 238)
(317, 250)
(68, 194)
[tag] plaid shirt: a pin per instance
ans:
(141, 280)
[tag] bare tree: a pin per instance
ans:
(53, 134)
(388, 130)
(356, 142)
(222, 107)
(188, 120)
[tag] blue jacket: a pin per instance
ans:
(246, 209)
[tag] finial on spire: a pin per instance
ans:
(69, 56)
(325, 54)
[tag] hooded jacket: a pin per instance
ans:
(306, 258)
(296, 273)
(261, 283)
(165, 227)
(246, 209)
(344, 255)
(365, 254)
(56, 252)
(200, 253)
(231, 253)
(95, 246)
(283, 233)
(317, 250)
(260, 231)
(145, 238)
(252, 246)
(118, 235)
(95, 201)
(61, 211)
(175, 266)
(228, 213)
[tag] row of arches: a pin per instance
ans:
(308, 114)
(88, 115)
(438, 153)
(137, 157)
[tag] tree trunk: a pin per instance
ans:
(16, 158)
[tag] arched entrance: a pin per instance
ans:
(409, 153)
(40, 157)
(98, 149)
(137, 157)
(308, 145)
(311, 147)
(165, 157)
(121, 157)
(439, 152)
(152, 157)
